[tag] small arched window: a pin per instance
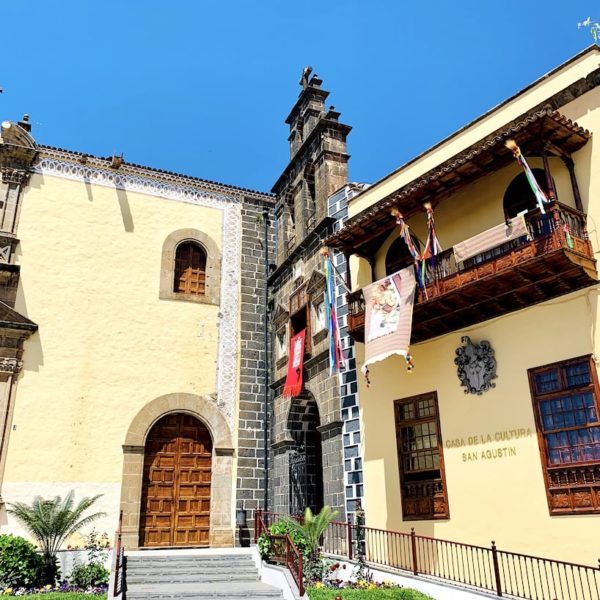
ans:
(190, 269)
(519, 195)
(398, 256)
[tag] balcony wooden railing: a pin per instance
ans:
(557, 259)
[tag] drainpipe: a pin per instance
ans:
(267, 363)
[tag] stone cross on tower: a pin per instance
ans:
(317, 168)
(305, 75)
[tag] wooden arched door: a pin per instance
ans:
(175, 507)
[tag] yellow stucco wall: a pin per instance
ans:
(90, 261)
(503, 498)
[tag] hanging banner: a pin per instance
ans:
(492, 238)
(293, 380)
(388, 317)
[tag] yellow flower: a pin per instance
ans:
(8, 591)
(319, 585)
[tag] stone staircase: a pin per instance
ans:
(195, 575)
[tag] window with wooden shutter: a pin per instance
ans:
(565, 399)
(190, 269)
(420, 458)
(299, 311)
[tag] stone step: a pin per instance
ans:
(138, 557)
(189, 577)
(167, 569)
(190, 564)
(203, 591)
(195, 567)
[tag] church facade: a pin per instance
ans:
(124, 366)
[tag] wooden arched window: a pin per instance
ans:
(190, 269)
(398, 256)
(519, 195)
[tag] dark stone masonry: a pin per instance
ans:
(306, 451)
(250, 450)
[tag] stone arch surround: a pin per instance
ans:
(212, 271)
(221, 508)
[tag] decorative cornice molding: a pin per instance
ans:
(15, 176)
(133, 170)
(10, 365)
(133, 182)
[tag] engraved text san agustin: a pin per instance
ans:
(488, 438)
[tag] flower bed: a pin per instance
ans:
(367, 591)
(62, 592)
(66, 596)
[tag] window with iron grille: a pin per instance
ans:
(420, 458)
(190, 269)
(565, 399)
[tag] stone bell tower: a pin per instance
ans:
(306, 430)
(318, 165)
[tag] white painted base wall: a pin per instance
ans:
(67, 559)
(437, 590)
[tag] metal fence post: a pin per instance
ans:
(413, 543)
(349, 538)
(496, 569)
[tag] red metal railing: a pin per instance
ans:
(508, 574)
(119, 576)
(283, 549)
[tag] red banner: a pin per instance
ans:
(293, 381)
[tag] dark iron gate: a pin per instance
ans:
(298, 481)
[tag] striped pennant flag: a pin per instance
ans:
(538, 192)
(337, 360)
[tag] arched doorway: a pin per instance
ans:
(519, 196)
(306, 458)
(398, 255)
(176, 485)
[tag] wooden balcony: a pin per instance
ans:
(557, 260)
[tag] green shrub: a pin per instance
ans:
(89, 575)
(299, 539)
(399, 593)
(20, 564)
(281, 528)
(51, 522)
(264, 546)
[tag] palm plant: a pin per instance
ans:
(51, 522)
(312, 528)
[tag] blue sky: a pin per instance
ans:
(202, 87)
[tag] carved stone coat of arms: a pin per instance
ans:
(476, 366)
